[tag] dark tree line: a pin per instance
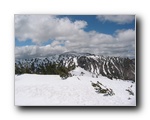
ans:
(45, 69)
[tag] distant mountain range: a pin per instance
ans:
(111, 67)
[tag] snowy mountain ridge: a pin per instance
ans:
(111, 67)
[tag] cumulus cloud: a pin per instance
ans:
(67, 35)
(121, 44)
(38, 51)
(119, 19)
(40, 28)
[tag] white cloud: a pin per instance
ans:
(41, 28)
(126, 35)
(38, 51)
(55, 43)
(121, 44)
(119, 19)
(69, 36)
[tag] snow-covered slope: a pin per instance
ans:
(51, 90)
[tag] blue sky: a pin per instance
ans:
(106, 34)
(99, 26)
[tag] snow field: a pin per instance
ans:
(51, 90)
